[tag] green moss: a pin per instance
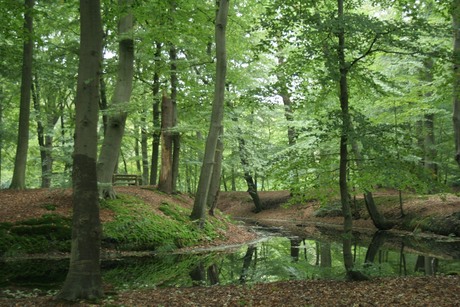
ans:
(137, 227)
(50, 232)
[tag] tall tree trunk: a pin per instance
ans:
(214, 187)
(156, 117)
(429, 144)
(456, 76)
(137, 152)
(175, 135)
(1, 132)
(19, 175)
(199, 206)
(84, 280)
(287, 102)
(345, 117)
(45, 123)
(103, 105)
(116, 124)
(144, 152)
(165, 181)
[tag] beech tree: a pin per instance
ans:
(215, 128)
(116, 123)
(455, 11)
(19, 175)
(84, 279)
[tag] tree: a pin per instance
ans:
(83, 279)
(344, 136)
(165, 182)
(20, 162)
(199, 205)
(455, 11)
(116, 123)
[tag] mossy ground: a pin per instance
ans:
(135, 226)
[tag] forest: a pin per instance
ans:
(328, 100)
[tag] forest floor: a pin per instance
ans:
(407, 291)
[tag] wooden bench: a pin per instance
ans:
(126, 179)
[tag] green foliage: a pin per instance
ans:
(137, 227)
(51, 232)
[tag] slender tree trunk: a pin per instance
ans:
(345, 117)
(214, 187)
(137, 152)
(287, 102)
(45, 123)
(2, 97)
(429, 144)
(144, 152)
(103, 105)
(116, 124)
(165, 182)
(199, 206)
(175, 135)
(84, 280)
(456, 75)
(19, 175)
(156, 117)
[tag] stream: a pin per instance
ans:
(281, 253)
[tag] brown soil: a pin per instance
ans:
(239, 205)
(414, 291)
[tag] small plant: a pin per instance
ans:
(49, 207)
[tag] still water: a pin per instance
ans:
(279, 255)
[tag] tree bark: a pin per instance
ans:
(287, 102)
(156, 117)
(343, 164)
(199, 206)
(144, 152)
(456, 76)
(214, 187)
(116, 123)
(84, 280)
(429, 143)
(175, 134)
(18, 181)
(1, 133)
(45, 123)
(165, 181)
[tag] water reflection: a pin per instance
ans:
(279, 257)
